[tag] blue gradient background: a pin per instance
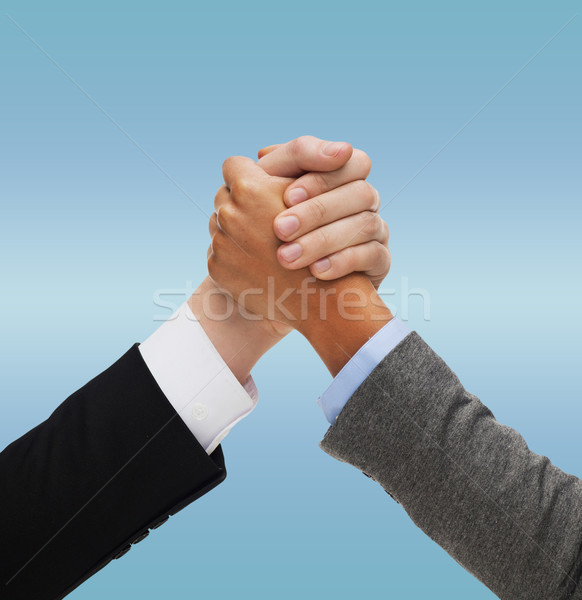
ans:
(90, 228)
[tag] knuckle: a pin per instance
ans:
(372, 224)
(318, 210)
(362, 161)
(243, 188)
(225, 216)
(323, 238)
(219, 241)
(212, 224)
(294, 146)
(217, 196)
(300, 145)
(367, 192)
(379, 253)
(319, 183)
(349, 257)
(227, 165)
(378, 259)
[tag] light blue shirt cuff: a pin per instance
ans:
(366, 359)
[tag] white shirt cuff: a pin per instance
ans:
(196, 380)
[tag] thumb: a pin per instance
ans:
(303, 155)
(245, 171)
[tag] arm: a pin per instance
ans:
(122, 454)
(113, 461)
(126, 451)
(508, 515)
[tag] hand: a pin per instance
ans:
(321, 166)
(332, 225)
(242, 259)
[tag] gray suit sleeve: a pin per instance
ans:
(506, 514)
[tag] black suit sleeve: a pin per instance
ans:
(112, 462)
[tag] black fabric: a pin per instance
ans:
(112, 461)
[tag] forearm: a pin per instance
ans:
(506, 514)
(342, 318)
(111, 462)
(240, 338)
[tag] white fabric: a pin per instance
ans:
(196, 380)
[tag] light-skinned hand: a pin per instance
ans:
(332, 223)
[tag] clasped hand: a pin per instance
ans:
(287, 226)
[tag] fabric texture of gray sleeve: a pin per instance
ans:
(506, 514)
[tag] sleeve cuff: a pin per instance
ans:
(196, 380)
(366, 359)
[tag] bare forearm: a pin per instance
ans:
(343, 319)
(239, 340)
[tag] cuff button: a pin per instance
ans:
(123, 552)
(141, 537)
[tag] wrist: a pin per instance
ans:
(239, 339)
(347, 315)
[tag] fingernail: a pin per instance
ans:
(287, 225)
(291, 252)
(296, 195)
(332, 148)
(323, 264)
